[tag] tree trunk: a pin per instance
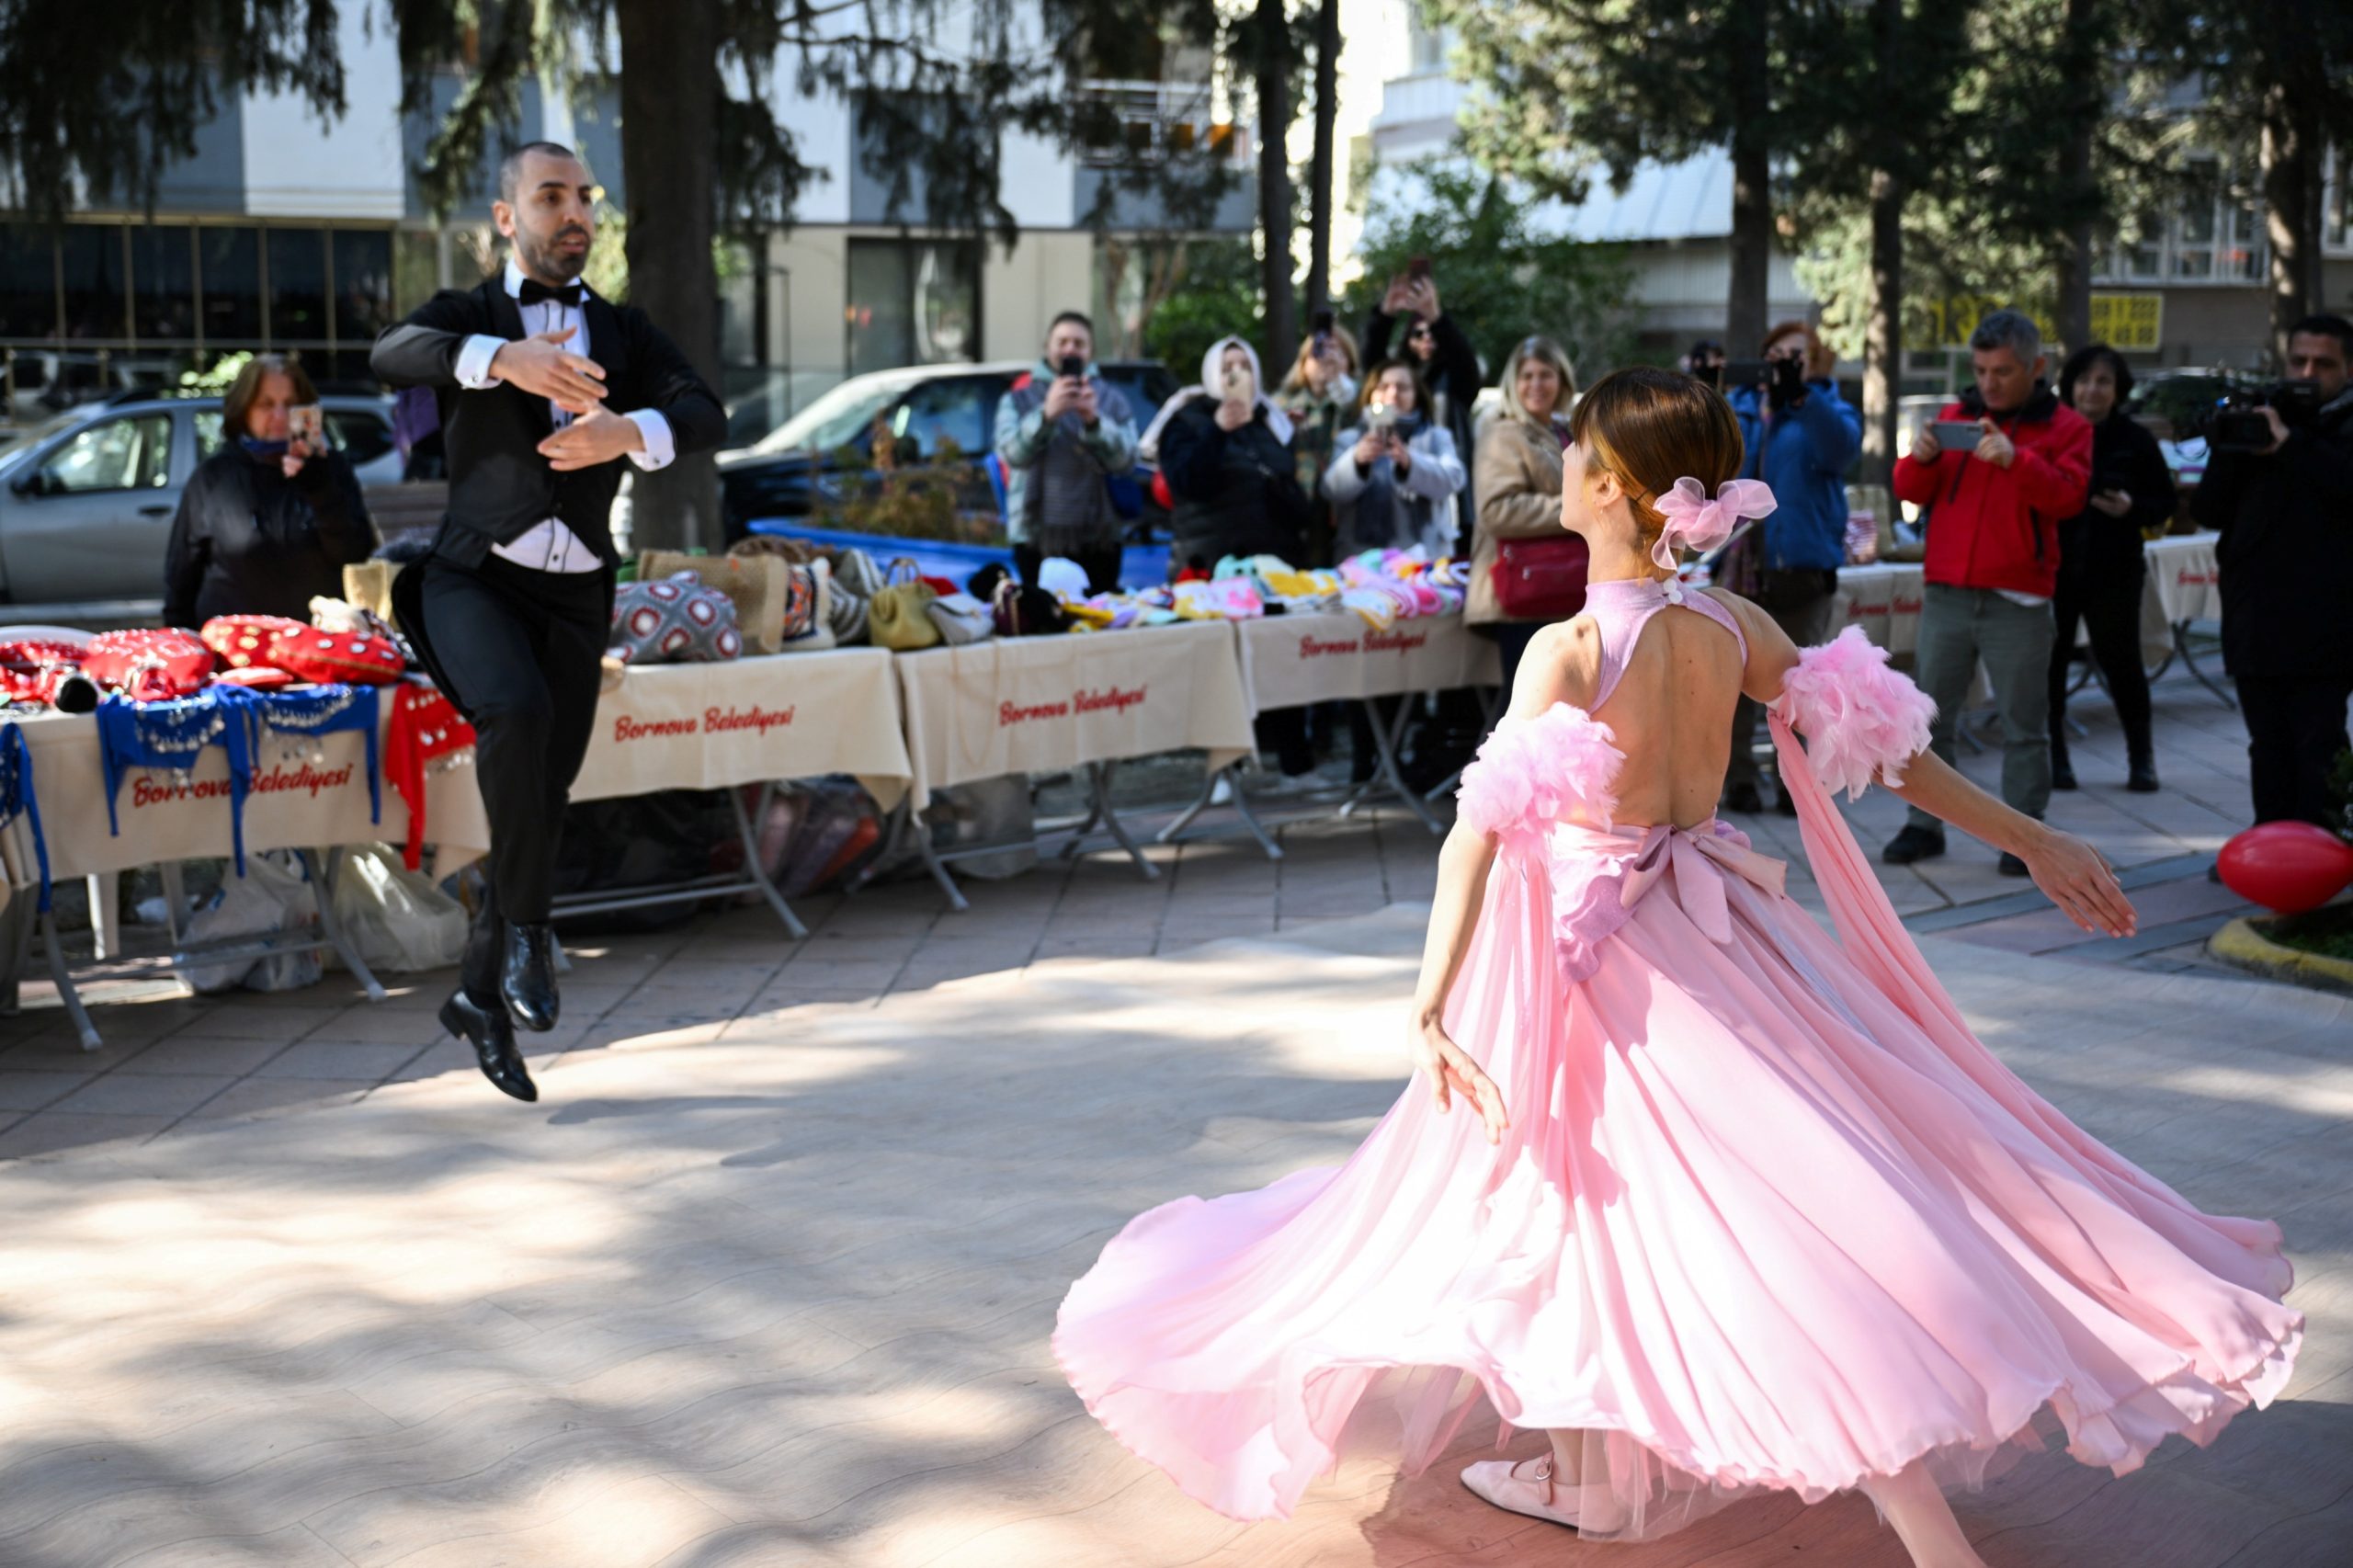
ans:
(1883, 328)
(1274, 187)
(2081, 88)
(1752, 185)
(1320, 168)
(2292, 168)
(669, 142)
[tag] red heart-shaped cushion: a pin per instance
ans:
(243, 640)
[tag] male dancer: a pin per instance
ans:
(543, 387)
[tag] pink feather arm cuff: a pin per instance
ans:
(1860, 718)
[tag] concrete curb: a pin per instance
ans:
(2241, 945)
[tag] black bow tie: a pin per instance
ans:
(534, 291)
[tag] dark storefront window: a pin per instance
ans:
(232, 284)
(298, 285)
(27, 281)
(162, 277)
(363, 284)
(911, 303)
(90, 260)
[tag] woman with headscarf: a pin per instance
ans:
(1225, 449)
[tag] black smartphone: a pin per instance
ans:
(1746, 373)
(1071, 365)
(1418, 268)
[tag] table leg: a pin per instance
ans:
(323, 896)
(932, 863)
(86, 1030)
(2190, 662)
(1098, 776)
(1200, 802)
(1385, 739)
(106, 914)
(745, 831)
(1094, 813)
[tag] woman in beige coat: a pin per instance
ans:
(1517, 480)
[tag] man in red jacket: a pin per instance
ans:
(1992, 514)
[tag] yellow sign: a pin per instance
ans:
(2134, 322)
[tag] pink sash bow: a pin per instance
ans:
(1699, 857)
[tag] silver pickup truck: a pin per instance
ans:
(87, 499)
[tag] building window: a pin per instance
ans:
(162, 272)
(2216, 237)
(2336, 204)
(230, 260)
(91, 262)
(913, 302)
(27, 281)
(363, 284)
(298, 285)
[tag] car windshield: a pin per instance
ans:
(835, 419)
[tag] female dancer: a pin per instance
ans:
(1737, 1206)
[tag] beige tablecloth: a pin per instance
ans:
(668, 727)
(1291, 659)
(2184, 578)
(784, 716)
(296, 803)
(1034, 704)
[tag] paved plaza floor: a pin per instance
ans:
(767, 1276)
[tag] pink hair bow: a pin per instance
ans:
(1694, 522)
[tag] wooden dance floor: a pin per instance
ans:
(778, 1292)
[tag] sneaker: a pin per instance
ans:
(1915, 843)
(2011, 866)
(1222, 790)
(2141, 778)
(1743, 798)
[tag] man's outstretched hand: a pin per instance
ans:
(572, 381)
(596, 437)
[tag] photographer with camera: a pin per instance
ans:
(1062, 432)
(1706, 362)
(1994, 474)
(2282, 494)
(1799, 436)
(2102, 563)
(1395, 470)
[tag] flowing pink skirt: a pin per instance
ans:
(1767, 1216)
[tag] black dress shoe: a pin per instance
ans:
(2011, 866)
(528, 977)
(1915, 843)
(492, 1034)
(1743, 798)
(2141, 778)
(2063, 773)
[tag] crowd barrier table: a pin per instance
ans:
(1292, 661)
(1088, 702)
(754, 721)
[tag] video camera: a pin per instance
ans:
(2238, 425)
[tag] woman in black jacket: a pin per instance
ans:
(2101, 564)
(1449, 366)
(266, 524)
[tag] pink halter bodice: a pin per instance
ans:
(1619, 610)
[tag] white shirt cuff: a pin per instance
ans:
(473, 361)
(661, 450)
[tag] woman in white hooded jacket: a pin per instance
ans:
(1395, 472)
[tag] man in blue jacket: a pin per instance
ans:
(1801, 436)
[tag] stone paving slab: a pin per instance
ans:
(782, 1296)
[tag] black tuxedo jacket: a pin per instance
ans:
(500, 487)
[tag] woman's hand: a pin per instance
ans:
(1451, 1072)
(1368, 450)
(2112, 503)
(291, 463)
(2075, 876)
(1400, 455)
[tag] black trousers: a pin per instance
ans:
(1100, 564)
(2295, 731)
(522, 651)
(2104, 595)
(1800, 600)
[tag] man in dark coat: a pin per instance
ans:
(544, 388)
(2286, 553)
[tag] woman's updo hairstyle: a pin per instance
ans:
(1650, 428)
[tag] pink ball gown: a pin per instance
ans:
(1768, 1215)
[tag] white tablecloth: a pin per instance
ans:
(1290, 660)
(2184, 578)
(1033, 704)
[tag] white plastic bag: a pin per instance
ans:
(271, 896)
(396, 919)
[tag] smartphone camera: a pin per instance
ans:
(1071, 365)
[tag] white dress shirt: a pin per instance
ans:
(549, 546)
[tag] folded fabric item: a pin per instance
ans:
(242, 641)
(46, 671)
(350, 617)
(1376, 606)
(331, 657)
(1223, 598)
(148, 666)
(678, 619)
(18, 798)
(426, 735)
(256, 678)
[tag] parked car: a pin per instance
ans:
(86, 500)
(823, 454)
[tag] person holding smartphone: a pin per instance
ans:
(1320, 395)
(1062, 432)
(1799, 437)
(1441, 355)
(2102, 563)
(268, 522)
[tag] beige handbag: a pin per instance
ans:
(758, 586)
(899, 617)
(369, 584)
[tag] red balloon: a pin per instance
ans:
(2287, 866)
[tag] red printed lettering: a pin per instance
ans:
(1316, 648)
(1014, 713)
(1117, 699)
(721, 720)
(628, 729)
